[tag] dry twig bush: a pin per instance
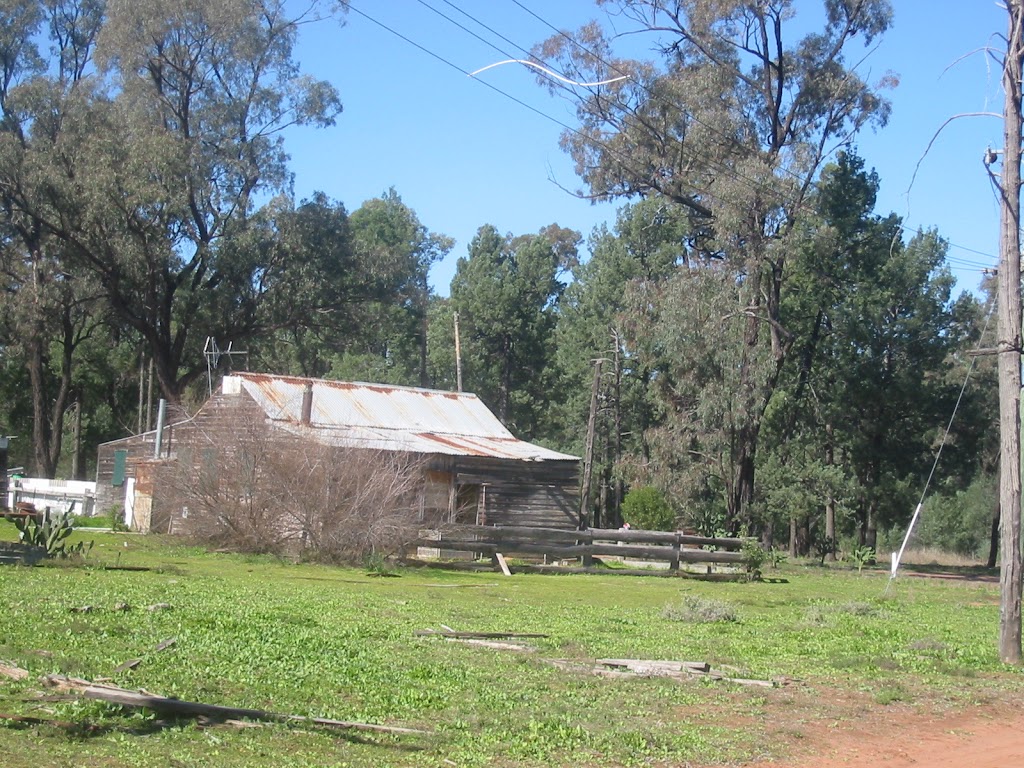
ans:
(259, 490)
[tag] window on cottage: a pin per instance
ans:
(120, 467)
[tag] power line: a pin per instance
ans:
(483, 40)
(726, 170)
(693, 203)
(731, 139)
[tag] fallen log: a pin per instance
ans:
(125, 666)
(128, 698)
(475, 635)
(14, 673)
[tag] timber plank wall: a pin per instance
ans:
(536, 494)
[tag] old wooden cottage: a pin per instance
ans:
(474, 469)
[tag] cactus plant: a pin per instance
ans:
(50, 534)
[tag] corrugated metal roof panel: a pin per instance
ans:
(389, 417)
(337, 404)
(412, 442)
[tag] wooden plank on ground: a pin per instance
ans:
(669, 666)
(495, 644)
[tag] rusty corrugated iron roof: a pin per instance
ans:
(390, 417)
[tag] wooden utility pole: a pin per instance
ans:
(458, 354)
(1010, 343)
(588, 453)
(76, 441)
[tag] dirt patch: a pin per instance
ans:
(852, 731)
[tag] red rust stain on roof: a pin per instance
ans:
(457, 445)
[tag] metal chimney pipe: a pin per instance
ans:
(161, 415)
(307, 404)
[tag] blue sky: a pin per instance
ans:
(462, 155)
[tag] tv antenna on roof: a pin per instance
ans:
(213, 354)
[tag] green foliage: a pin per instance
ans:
(754, 556)
(960, 521)
(862, 556)
(647, 508)
(506, 293)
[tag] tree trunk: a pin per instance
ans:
(76, 454)
(830, 502)
(1010, 345)
(44, 466)
(871, 526)
(993, 542)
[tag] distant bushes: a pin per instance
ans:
(647, 508)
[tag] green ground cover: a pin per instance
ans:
(339, 643)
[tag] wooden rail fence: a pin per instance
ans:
(560, 544)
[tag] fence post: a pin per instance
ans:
(674, 563)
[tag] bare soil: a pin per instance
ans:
(901, 739)
(820, 730)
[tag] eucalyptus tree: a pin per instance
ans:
(47, 309)
(733, 126)
(159, 155)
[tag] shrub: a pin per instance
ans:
(274, 495)
(776, 557)
(754, 556)
(646, 508)
(862, 556)
(695, 609)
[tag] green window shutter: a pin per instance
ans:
(120, 463)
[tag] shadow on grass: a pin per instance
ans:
(963, 572)
(82, 730)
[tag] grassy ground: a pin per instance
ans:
(312, 640)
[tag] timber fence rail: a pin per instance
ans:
(560, 544)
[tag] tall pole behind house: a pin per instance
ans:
(588, 453)
(458, 355)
